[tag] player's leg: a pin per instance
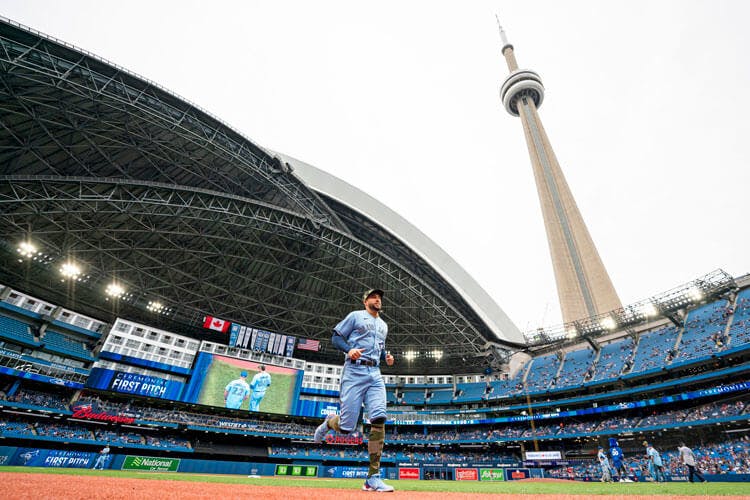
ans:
(354, 383)
(375, 401)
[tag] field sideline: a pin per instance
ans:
(459, 487)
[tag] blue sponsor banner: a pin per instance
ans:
(6, 454)
(36, 457)
(134, 383)
(317, 409)
(345, 471)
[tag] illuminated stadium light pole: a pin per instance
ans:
(583, 285)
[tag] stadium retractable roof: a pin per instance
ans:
(108, 169)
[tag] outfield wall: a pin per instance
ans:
(40, 457)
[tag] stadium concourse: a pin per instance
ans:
(221, 260)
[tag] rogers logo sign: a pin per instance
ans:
(408, 473)
(467, 475)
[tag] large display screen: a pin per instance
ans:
(245, 385)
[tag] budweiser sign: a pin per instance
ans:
(350, 440)
(86, 411)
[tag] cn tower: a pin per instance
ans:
(583, 285)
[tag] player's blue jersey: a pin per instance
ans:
(363, 331)
(616, 453)
(260, 383)
(237, 391)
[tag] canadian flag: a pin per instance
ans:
(220, 325)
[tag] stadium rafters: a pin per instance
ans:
(136, 184)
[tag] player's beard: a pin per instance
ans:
(375, 308)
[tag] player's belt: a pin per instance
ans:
(364, 362)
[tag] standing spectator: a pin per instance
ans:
(688, 458)
(101, 460)
(655, 464)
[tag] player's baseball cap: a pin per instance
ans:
(372, 291)
(645, 443)
(243, 373)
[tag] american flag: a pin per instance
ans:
(308, 344)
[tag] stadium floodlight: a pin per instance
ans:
(115, 290)
(695, 293)
(410, 355)
(572, 332)
(648, 310)
(70, 270)
(608, 323)
(26, 249)
(155, 306)
(437, 354)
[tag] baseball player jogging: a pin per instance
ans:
(361, 336)
(236, 392)
(101, 460)
(655, 463)
(259, 384)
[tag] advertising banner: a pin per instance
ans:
(516, 474)
(467, 474)
(408, 472)
(154, 464)
(491, 475)
(346, 472)
(35, 457)
(6, 454)
(134, 383)
(543, 455)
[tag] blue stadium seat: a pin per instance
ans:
(542, 372)
(653, 348)
(612, 359)
(575, 365)
(16, 331)
(62, 344)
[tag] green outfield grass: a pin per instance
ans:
(572, 487)
(277, 399)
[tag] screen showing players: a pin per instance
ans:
(243, 385)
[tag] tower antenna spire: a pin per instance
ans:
(502, 32)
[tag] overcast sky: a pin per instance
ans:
(646, 106)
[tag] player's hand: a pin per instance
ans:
(389, 359)
(355, 354)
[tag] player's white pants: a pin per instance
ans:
(361, 384)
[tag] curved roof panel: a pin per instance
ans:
(135, 184)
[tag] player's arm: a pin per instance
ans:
(340, 338)
(387, 357)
